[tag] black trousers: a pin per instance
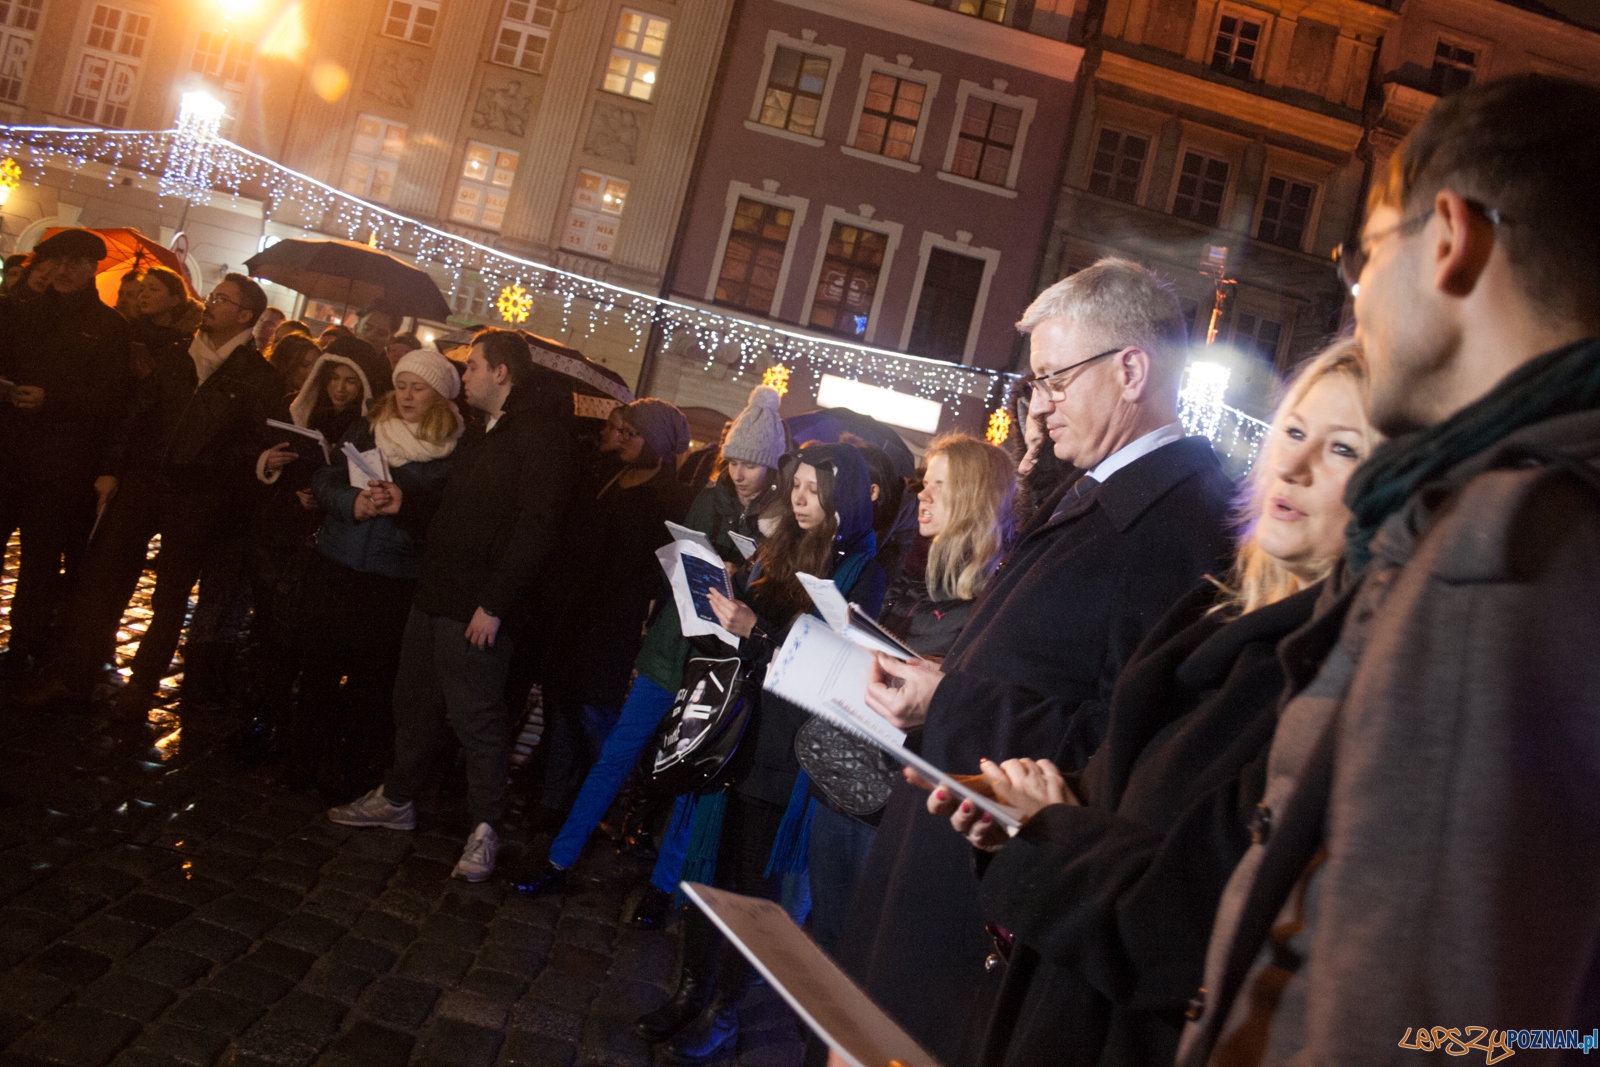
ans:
(54, 518)
(190, 522)
(350, 626)
(749, 828)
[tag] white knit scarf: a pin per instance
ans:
(207, 359)
(400, 444)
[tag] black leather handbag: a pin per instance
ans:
(698, 736)
(854, 776)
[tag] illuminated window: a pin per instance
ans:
(374, 155)
(1285, 210)
(992, 10)
(411, 20)
(524, 34)
(19, 19)
(986, 141)
(1201, 186)
(1452, 68)
(222, 56)
(485, 186)
(849, 280)
(1235, 51)
(1255, 334)
(102, 88)
(754, 257)
(597, 202)
(793, 99)
(636, 55)
(1118, 165)
(890, 112)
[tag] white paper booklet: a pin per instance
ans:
(847, 620)
(365, 467)
(745, 545)
(818, 991)
(692, 567)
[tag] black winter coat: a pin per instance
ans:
(1112, 902)
(503, 510)
(76, 349)
(1031, 675)
(928, 627)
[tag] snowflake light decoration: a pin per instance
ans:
(776, 376)
(999, 428)
(514, 303)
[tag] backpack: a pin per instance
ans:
(698, 736)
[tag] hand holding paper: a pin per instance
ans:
(901, 692)
(1027, 786)
(690, 591)
(735, 616)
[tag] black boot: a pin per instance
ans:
(711, 1036)
(548, 880)
(652, 910)
(701, 946)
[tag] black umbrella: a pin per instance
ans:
(829, 424)
(356, 275)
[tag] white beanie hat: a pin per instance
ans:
(757, 435)
(432, 368)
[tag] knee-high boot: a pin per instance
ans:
(702, 944)
(712, 1034)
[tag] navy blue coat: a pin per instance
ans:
(390, 545)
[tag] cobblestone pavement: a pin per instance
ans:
(162, 904)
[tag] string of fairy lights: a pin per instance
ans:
(193, 162)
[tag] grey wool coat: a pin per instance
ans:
(1440, 773)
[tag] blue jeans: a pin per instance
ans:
(647, 702)
(839, 847)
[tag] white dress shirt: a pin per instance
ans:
(1138, 449)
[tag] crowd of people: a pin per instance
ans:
(1300, 765)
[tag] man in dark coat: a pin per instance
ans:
(66, 354)
(181, 465)
(1032, 673)
(510, 486)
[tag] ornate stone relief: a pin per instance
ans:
(395, 78)
(613, 132)
(504, 103)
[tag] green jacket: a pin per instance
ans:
(665, 650)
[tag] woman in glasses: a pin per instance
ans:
(1112, 885)
(824, 528)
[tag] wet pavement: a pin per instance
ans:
(161, 903)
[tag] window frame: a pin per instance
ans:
(892, 230)
(1244, 14)
(411, 22)
(229, 40)
(574, 209)
(991, 264)
(114, 59)
(487, 185)
(901, 68)
(526, 29)
(1210, 150)
(385, 125)
(778, 39)
(1460, 42)
(767, 194)
(614, 50)
(966, 90)
(1313, 211)
(11, 33)
(1126, 130)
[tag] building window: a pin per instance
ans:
(987, 138)
(1255, 334)
(1201, 185)
(849, 280)
(597, 202)
(753, 260)
(990, 10)
(1118, 165)
(1285, 211)
(411, 20)
(375, 152)
(1235, 50)
(19, 19)
(793, 99)
(1453, 68)
(524, 34)
(890, 113)
(102, 90)
(636, 55)
(221, 56)
(485, 186)
(950, 288)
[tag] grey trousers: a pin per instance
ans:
(444, 679)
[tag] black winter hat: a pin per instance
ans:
(71, 244)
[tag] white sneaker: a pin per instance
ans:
(374, 809)
(477, 859)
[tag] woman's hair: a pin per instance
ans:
(790, 550)
(287, 354)
(437, 425)
(1258, 579)
(980, 481)
(170, 280)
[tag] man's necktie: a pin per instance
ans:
(1076, 499)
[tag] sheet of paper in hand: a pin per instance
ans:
(690, 598)
(819, 992)
(826, 674)
(847, 620)
(745, 545)
(307, 443)
(366, 467)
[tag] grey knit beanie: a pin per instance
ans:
(662, 426)
(757, 435)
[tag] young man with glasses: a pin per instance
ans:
(182, 465)
(1031, 674)
(1424, 850)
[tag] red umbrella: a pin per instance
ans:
(128, 249)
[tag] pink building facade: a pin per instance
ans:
(881, 172)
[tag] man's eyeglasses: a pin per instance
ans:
(1055, 384)
(217, 298)
(1350, 258)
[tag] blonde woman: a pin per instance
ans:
(1117, 878)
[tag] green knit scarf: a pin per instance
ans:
(1557, 383)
